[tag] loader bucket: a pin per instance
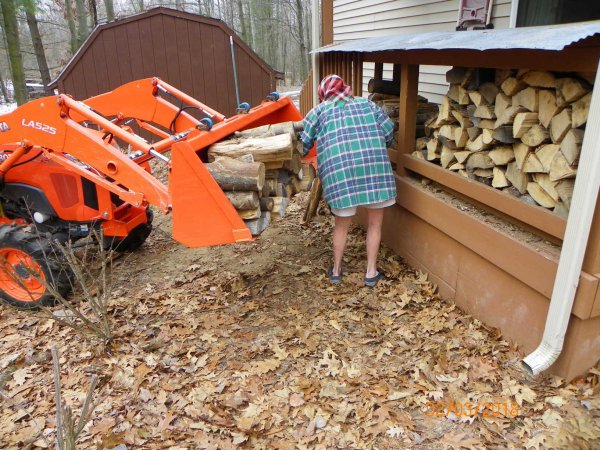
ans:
(269, 113)
(202, 215)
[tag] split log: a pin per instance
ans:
(263, 149)
(477, 144)
(564, 188)
(461, 157)
(486, 124)
(248, 214)
(257, 226)
(233, 175)
(502, 155)
(581, 109)
(523, 122)
(266, 203)
(512, 85)
(508, 115)
(532, 164)
(502, 102)
(499, 178)
(420, 144)
(560, 168)
(243, 200)
(540, 196)
(503, 74)
(473, 132)
(560, 125)
(460, 136)
(433, 148)
(549, 186)
(445, 113)
(547, 107)
(460, 75)
(447, 131)
(308, 176)
(459, 94)
(521, 151)
(464, 121)
(539, 79)
(485, 112)
(572, 89)
(535, 136)
(269, 130)
(504, 134)
(477, 98)
(487, 136)
(489, 91)
(457, 166)
(517, 178)
(316, 192)
(527, 98)
(571, 145)
(446, 157)
(483, 173)
(546, 154)
(280, 205)
(479, 160)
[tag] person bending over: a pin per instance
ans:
(352, 135)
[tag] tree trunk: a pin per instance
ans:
(38, 47)
(3, 88)
(11, 30)
(94, 10)
(82, 23)
(71, 23)
(242, 20)
(110, 10)
(303, 52)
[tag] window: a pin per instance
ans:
(550, 12)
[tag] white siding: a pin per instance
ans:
(356, 19)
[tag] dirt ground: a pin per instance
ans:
(248, 346)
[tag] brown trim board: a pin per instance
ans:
(537, 217)
(520, 260)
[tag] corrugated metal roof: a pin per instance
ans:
(552, 37)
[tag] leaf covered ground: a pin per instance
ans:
(248, 346)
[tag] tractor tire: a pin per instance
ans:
(27, 258)
(136, 237)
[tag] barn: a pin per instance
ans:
(189, 51)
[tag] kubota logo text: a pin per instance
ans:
(39, 126)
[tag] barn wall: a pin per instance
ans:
(192, 55)
(356, 19)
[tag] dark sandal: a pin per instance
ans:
(372, 281)
(334, 279)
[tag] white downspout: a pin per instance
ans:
(574, 245)
(316, 41)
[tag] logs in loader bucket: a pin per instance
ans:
(94, 140)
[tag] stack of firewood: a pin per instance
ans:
(259, 170)
(385, 94)
(519, 131)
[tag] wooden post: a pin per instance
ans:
(396, 73)
(409, 88)
(378, 75)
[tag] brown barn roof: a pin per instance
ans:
(189, 51)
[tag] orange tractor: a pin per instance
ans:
(68, 168)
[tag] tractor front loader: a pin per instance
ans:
(68, 168)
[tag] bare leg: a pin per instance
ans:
(375, 220)
(340, 232)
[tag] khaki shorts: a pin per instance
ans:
(349, 212)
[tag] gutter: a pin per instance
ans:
(583, 204)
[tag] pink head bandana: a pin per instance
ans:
(334, 88)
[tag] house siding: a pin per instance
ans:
(357, 19)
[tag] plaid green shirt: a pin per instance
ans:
(352, 158)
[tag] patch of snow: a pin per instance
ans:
(5, 108)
